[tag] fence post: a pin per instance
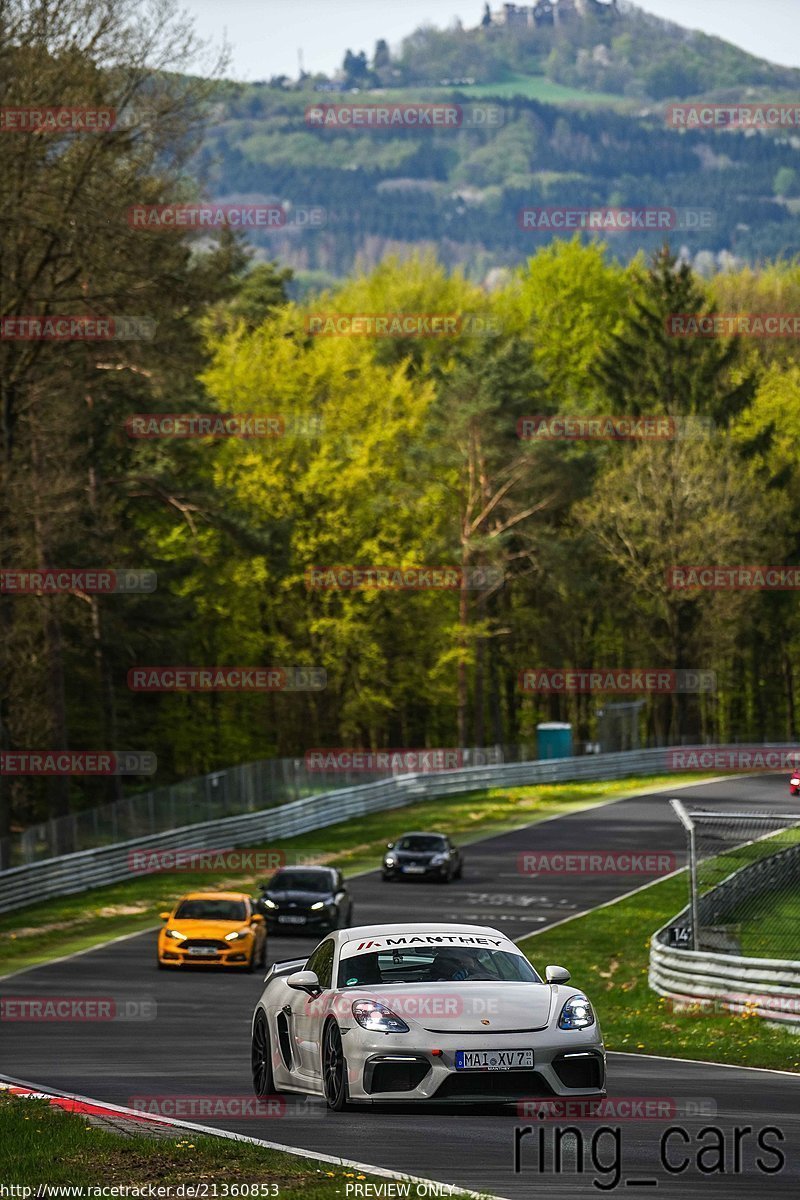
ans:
(688, 824)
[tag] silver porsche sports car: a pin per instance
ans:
(423, 1011)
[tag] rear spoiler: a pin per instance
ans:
(287, 967)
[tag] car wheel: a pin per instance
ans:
(261, 1059)
(334, 1070)
(262, 961)
(459, 871)
(159, 963)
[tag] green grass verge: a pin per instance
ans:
(770, 925)
(62, 926)
(607, 952)
(45, 1145)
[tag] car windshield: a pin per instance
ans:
(427, 964)
(421, 843)
(300, 881)
(211, 910)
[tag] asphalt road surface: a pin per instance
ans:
(196, 1043)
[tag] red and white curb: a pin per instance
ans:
(86, 1106)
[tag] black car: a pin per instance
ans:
(306, 899)
(423, 856)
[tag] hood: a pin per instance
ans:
(466, 1007)
(204, 928)
(296, 896)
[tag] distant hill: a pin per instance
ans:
(601, 47)
(555, 143)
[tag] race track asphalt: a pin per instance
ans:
(196, 1042)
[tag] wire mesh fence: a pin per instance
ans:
(247, 788)
(744, 878)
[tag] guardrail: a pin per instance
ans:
(767, 987)
(85, 869)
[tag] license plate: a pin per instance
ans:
(291, 920)
(202, 951)
(493, 1060)
(414, 870)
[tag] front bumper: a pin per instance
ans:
(315, 922)
(235, 956)
(383, 1067)
(397, 872)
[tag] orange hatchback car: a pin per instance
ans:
(220, 929)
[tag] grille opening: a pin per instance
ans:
(579, 1072)
(208, 943)
(396, 1076)
(494, 1085)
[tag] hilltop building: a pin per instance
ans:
(549, 12)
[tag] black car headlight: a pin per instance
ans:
(371, 1014)
(577, 1013)
(265, 900)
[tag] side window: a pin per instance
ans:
(321, 962)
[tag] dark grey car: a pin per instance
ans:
(306, 900)
(423, 856)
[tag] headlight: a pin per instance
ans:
(438, 859)
(319, 904)
(181, 937)
(388, 861)
(269, 903)
(577, 1013)
(237, 933)
(372, 1015)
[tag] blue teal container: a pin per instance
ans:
(554, 740)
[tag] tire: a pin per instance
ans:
(159, 964)
(261, 1059)
(334, 1069)
(459, 871)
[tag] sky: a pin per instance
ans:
(264, 36)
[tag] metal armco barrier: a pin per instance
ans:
(72, 873)
(768, 987)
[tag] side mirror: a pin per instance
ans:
(164, 916)
(256, 919)
(557, 974)
(304, 981)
